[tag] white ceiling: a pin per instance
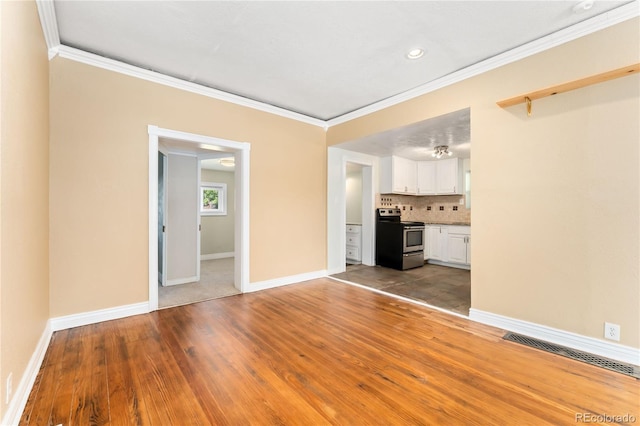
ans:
(214, 164)
(209, 154)
(416, 141)
(322, 59)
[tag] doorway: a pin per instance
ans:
(203, 146)
(339, 161)
(211, 180)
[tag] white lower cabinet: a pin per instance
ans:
(354, 243)
(448, 244)
(458, 248)
(436, 244)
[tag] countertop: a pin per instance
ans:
(450, 223)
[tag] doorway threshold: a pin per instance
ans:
(439, 287)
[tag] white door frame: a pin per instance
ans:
(241, 151)
(337, 160)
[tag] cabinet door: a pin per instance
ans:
(398, 176)
(353, 254)
(404, 175)
(448, 177)
(426, 171)
(353, 239)
(434, 242)
(457, 248)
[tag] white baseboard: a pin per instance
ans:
(21, 394)
(291, 279)
(448, 264)
(86, 318)
(182, 281)
(576, 341)
(213, 256)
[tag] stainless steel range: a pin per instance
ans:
(399, 245)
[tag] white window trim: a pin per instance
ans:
(222, 198)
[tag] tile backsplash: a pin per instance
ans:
(444, 209)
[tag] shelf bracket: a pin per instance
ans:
(570, 85)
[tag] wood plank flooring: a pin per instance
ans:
(319, 352)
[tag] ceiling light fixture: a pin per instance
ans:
(440, 151)
(227, 162)
(415, 53)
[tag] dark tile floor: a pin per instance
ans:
(441, 286)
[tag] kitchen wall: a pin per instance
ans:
(218, 231)
(24, 193)
(444, 209)
(99, 242)
(556, 196)
(354, 196)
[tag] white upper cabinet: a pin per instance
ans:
(426, 177)
(398, 176)
(449, 176)
(401, 176)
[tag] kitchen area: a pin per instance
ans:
(422, 219)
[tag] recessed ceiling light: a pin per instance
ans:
(227, 162)
(415, 53)
(582, 6)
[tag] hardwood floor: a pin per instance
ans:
(440, 286)
(319, 352)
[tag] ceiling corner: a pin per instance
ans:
(47, 13)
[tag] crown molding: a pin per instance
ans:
(156, 77)
(591, 25)
(47, 13)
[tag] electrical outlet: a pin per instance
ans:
(9, 389)
(612, 331)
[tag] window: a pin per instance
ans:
(213, 198)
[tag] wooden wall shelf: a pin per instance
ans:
(571, 85)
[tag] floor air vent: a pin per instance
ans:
(598, 361)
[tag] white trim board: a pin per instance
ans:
(397, 296)
(186, 280)
(156, 77)
(581, 29)
(553, 335)
(213, 256)
(19, 401)
(242, 153)
(93, 317)
(21, 395)
(282, 281)
(49, 22)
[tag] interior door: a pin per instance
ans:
(182, 223)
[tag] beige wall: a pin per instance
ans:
(24, 171)
(555, 200)
(99, 189)
(218, 231)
